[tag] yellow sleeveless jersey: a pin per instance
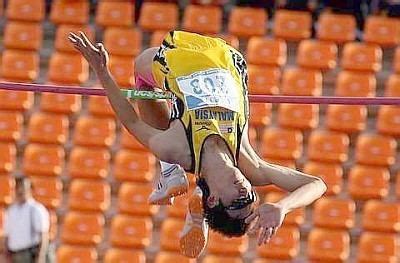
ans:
(209, 81)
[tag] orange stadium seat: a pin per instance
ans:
(134, 165)
(8, 157)
(295, 217)
(60, 103)
(158, 16)
(317, 54)
(89, 195)
(2, 215)
(397, 186)
(328, 146)
(382, 30)
(266, 51)
(84, 254)
(10, 125)
(361, 57)
(278, 143)
(247, 21)
(263, 79)
(368, 182)
(388, 121)
(355, 84)
(392, 88)
(99, 106)
(128, 141)
(301, 82)
(375, 149)
(169, 257)
(120, 255)
(43, 160)
(338, 28)
(334, 213)
(68, 69)
(331, 173)
(62, 32)
(381, 216)
(23, 35)
(7, 185)
(221, 258)
(122, 68)
(48, 128)
(179, 208)
(123, 41)
(346, 118)
(285, 245)
(260, 114)
(325, 245)
(396, 62)
(88, 162)
(230, 39)
(115, 13)
(19, 65)
(131, 232)
(377, 247)
(170, 231)
(202, 19)
(132, 199)
(15, 100)
(26, 10)
(292, 25)
(219, 244)
(157, 37)
(94, 131)
(48, 191)
(296, 116)
(82, 228)
(69, 12)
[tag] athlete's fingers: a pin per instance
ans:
(269, 235)
(87, 41)
(263, 236)
(274, 230)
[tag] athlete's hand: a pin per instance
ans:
(96, 55)
(269, 218)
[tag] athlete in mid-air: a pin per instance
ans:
(202, 131)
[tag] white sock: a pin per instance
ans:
(167, 167)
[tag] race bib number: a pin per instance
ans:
(210, 88)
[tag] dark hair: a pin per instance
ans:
(217, 217)
(23, 181)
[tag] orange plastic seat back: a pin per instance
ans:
(124, 255)
(292, 25)
(247, 22)
(331, 173)
(301, 82)
(263, 79)
(284, 245)
(355, 84)
(132, 199)
(397, 186)
(334, 213)
(94, 131)
(7, 157)
(157, 37)
(328, 146)
(70, 12)
(392, 88)
(202, 19)
(377, 247)
(374, 149)
(170, 257)
(60, 103)
(326, 245)
(230, 40)
(266, 51)
(131, 232)
(295, 217)
(296, 116)
(361, 57)
(15, 100)
(100, 107)
(346, 118)
(396, 61)
(388, 122)
(48, 128)
(158, 16)
(10, 125)
(89, 162)
(122, 69)
(47, 190)
(82, 228)
(7, 186)
(260, 114)
(338, 28)
(26, 10)
(221, 258)
(381, 216)
(368, 182)
(115, 13)
(128, 141)
(278, 143)
(89, 195)
(170, 234)
(43, 159)
(23, 35)
(20, 65)
(68, 69)
(123, 41)
(219, 244)
(67, 254)
(61, 43)
(317, 54)
(134, 166)
(381, 30)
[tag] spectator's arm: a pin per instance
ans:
(42, 226)
(43, 247)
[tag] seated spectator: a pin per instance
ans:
(347, 7)
(298, 5)
(269, 5)
(389, 7)
(209, 2)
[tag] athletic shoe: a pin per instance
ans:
(172, 182)
(194, 236)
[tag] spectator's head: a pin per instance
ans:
(23, 189)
